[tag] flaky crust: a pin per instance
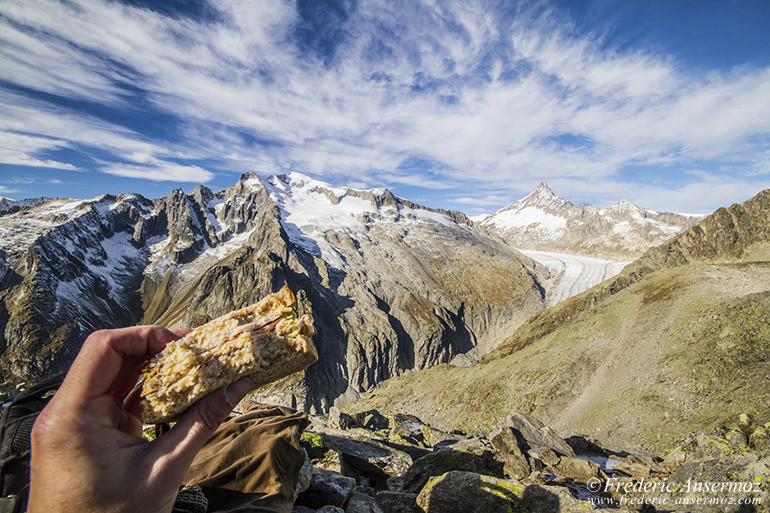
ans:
(263, 342)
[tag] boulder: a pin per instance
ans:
(536, 477)
(395, 502)
(515, 463)
(305, 476)
(330, 509)
(340, 420)
(355, 455)
(406, 426)
(586, 446)
(414, 451)
(435, 464)
(359, 502)
(642, 457)
(531, 433)
(551, 499)
(463, 492)
(374, 460)
(578, 469)
(546, 456)
(371, 420)
(746, 471)
(634, 469)
(477, 446)
(326, 488)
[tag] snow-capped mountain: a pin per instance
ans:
(8, 203)
(546, 222)
(393, 286)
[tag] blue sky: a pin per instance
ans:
(464, 105)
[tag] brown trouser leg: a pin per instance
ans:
(252, 462)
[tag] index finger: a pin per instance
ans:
(110, 354)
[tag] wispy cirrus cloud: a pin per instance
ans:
(486, 96)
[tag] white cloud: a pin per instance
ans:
(15, 149)
(162, 171)
(6, 190)
(502, 103)
(149, 167)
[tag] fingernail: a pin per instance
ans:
(234, 392)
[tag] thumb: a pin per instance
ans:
(178, 447)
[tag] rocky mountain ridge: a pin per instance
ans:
(393, 286)
(546, 222)
(8, 203)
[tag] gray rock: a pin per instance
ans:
(586, 445)
(372, 420)
(395, 502)
(326, 488)
(463, 492)
(745, 470)
(634, 469)
(547, 456)
(356, 454)
(642, 457)
(552, 499)
(340, 420)
(516, 465)
(406, 426)
(477, 446)
(530, 433)
(578, 469)
(305, 476)
(330, 509)
(302, 509)
(435, 464)
(359, 502)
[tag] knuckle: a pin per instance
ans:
(211, 415)
(42, 430)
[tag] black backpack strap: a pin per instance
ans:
(16, 424)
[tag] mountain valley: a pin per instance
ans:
(677, 341)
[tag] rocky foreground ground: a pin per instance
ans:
(374, 463)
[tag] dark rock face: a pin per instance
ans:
(393, 286)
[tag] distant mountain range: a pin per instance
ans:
(546, 222)
(393, 286)
(8, 203)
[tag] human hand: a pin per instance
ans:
(88, 454)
